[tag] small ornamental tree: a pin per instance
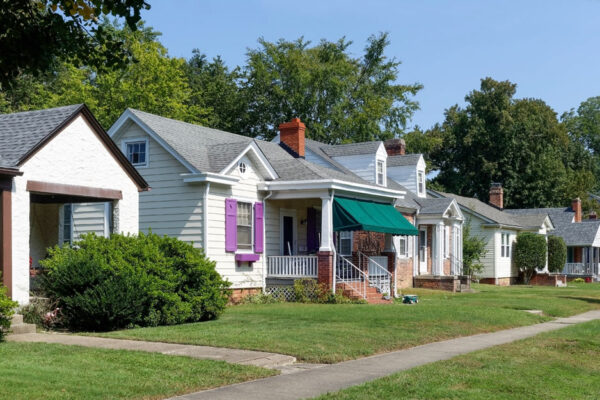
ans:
(530, 254)
(473, 251)
(557, 253)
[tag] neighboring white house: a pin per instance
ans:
(499, 229)
(50, 158)
(270, 212)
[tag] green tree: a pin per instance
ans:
(530, 254)
(473, 251)
(557, 253)
(154, 82)
(217, 89)
(37, 34)
(496, 138)
(340, 98)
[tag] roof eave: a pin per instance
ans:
(331, 184)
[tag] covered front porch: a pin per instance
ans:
(346, 243)
(583, 262)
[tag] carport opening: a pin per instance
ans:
(59, 219)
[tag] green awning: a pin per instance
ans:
(363, 215)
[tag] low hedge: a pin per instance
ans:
(7, 309)
(146, 280)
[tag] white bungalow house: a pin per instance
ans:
(499, 228)
(272, 212)
(52, 161)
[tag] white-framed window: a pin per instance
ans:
(345, 243)
(136, 152)
(242, 167)
(67, 223)
(381, 172)
(244, 225)
(505, 245)
(421, 182)
(403, 246)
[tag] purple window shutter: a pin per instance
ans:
(259, 242)
(230, 224)
(311, 229)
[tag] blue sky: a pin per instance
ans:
(549, 48)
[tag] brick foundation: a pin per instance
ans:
(499, 281)
(449, 283)
(548, 280)
(238, 295)
(325, 268)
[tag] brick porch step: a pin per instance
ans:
(373, 296)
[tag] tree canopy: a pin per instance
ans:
(38, 34)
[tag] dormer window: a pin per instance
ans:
(421, 182)
(380, 172)
(136, 152)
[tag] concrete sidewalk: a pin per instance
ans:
(331, 378)
(246, 357)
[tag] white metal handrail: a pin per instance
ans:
(292, 266)
(351, 276)
(378, 276)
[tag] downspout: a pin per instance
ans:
(205, 218)
(265, 261)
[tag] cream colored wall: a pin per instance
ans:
(76, 156)
(172, 207)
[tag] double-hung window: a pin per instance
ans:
(380, 172)
(136, 152)
(505, 245)
(403, 246)
(345, 243)
(421, 182)
(67, 223)
(244, 225)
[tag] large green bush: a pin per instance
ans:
(146, 280)
(557, 253)
(7, 309)
(530, 253)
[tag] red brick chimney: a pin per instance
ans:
(395, 147)
(576, 206)
(497, 195)
(291, 136)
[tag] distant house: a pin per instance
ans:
(499, 228)
(55, 163)
(582, 237)
(272, 212)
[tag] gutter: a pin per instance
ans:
(204, 177)
(332, 184)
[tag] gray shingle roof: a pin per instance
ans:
(403, 160)
(21, 132)
(433, 206)
(211, 150)
(351, 149)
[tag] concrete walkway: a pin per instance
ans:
(331, 378)
(246, 357)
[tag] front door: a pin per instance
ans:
(423, 251)
(288, 232)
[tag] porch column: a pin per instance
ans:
(6, 234)
(438, 262)
(326, 273)
(456, 244)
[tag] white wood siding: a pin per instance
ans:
(362, 165)
(246, 275)
(488, 260)
(88, 218)
(171, 207)
(407, 175)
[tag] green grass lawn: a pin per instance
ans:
(31, 371)
(558, 365)
(332, 333)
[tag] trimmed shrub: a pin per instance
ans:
(530, 254)
(557, 253)
(146, 280)
(7, 309)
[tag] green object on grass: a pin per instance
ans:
(410, 299)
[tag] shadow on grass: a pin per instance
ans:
(592, 300)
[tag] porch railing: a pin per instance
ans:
(292, 266)
(583, 269)
(350, 276)
(378, 275)
(456, 267)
